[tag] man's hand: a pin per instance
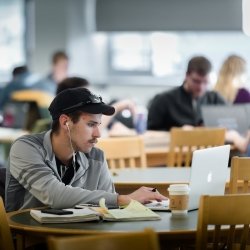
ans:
(143, 195)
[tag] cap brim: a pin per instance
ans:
(99, 108)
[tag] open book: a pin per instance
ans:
(135, 211)
(78, 215)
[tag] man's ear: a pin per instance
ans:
(64, 121)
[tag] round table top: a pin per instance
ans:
(168, 225)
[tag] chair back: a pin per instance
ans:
(124, 152)
(39, 102)
(6, 241)
(184, 142)
(146, 240)
(239, 174)
(219, 211)
(41, 98)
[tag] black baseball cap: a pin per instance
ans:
(74, 99)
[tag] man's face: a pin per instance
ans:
(196, 84)
(85, 132)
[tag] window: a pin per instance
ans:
(11, 37)
(165, 54)
(130, 53)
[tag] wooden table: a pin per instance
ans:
(128, 180)
(8, 135)
(172, 231)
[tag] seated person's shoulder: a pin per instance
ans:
(172, 93)
(33, 140)
(213, 97)
(244, 91)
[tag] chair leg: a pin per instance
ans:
(20, 242)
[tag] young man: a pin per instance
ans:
(61, 168)
(182, 105)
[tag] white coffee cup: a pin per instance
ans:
(179, 196)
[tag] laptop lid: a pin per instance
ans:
(208, 173)
(232, 117)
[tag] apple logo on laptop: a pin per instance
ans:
(209, 177)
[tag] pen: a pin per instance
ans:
(85, 205)
(94, 205)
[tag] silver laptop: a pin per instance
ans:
(208, 176)
(208, 173)
(233, 117)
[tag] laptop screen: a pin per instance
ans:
(232, 117)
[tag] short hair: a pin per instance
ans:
(71, 82)
(199, 64)
(19, 70)
(59, 55)
(74, 116)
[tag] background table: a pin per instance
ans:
(172, 231)
(128, 180)
(7, 136)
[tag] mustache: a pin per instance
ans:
(93, 141)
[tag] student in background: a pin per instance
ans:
(72, 82)
(17, 71)
(230, 85)
(58, 72)
(21, 79)
(59, 67)
(61, 167)
(231, 80)
(182, 105)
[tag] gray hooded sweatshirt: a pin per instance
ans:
(32, 179)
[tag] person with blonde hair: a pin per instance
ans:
(231, 79)
(230, 85)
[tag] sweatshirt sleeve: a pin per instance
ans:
(106, 183)
(29, 168)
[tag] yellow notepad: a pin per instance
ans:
(133, 212)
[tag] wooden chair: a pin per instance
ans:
(43, 99)
(124, 152)
(146, 240)
(230, 210)
(5, 234)
(184, 142)
(240, 172)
